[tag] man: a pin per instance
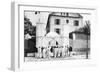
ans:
(59, 52)
(66, 50)
(39, 52)
(70, 50)
(55, 51)
(48, 52)
(44, 52)
(63, 51)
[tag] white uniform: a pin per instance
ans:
(59, 51)
(48, 52)
(63, 52)
(55, 52)
(39, 52)
(44, 53)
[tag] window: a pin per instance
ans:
(71, 35)
(67, 14)
(57, 30)
(67, 21)
(57, 21)
(76, 23)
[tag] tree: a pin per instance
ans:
(86, 31)
(27, 25)
(86, 28)
(31, 30)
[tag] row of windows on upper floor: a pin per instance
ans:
(57, 22)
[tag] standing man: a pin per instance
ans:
(70, 50)
(48, 52)
(39, 52)
(63, 51)
(55, 51)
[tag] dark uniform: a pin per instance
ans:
(70, 50)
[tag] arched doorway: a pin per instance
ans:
(52, 38)
(53, 41)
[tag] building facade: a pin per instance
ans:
(63, 24)
(60, 23)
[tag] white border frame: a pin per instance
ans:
(17, 60)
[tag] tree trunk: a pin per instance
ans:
(87, 48)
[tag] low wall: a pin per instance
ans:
(80, 45)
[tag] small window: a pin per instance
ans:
(67, 14)
(57, 30)
(64, 13)
(36, 12)
(67, 21)
(57, 21)
(76, 23)
(70, 35)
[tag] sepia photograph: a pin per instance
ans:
(56, 35)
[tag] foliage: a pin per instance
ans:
(28, 27)
(86, 28)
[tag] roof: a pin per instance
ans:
(66, 14)
(79, 32)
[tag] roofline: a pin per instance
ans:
(65, 16)
(78, 32)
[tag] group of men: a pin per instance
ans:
(54, 51)
(48, 51)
